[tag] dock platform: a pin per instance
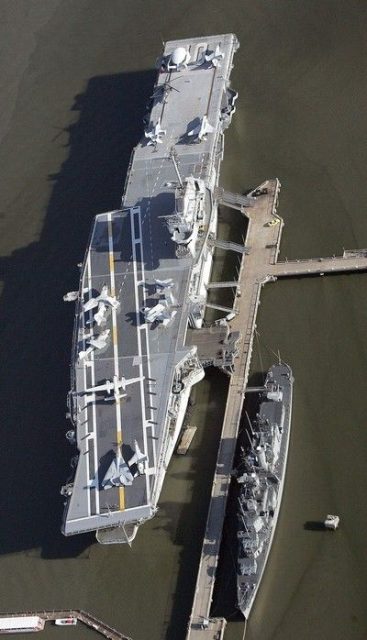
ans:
(349, 261)
(259, 265)
(264, 241)
(82, 616)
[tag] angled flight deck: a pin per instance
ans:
(143, 282)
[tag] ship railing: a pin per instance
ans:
(348, 254)
(128, 175)
(354, 253)
(255, 297)
(78, 309)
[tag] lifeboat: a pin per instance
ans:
(61, 622)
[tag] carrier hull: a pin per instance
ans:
(143, 283)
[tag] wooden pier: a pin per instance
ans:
(349, 261)
(82, 616)
(259, 265)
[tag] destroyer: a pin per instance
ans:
(261, 477)
(143, 284)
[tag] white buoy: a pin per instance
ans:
(331, 522)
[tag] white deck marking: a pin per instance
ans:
(145, 328)
(85, 407)
(94, 413)
(86, 438)
(151, 189)
(133, 211)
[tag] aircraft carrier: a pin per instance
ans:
(261, 476)
(142, 286)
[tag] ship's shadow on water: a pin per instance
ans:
(314, 525)
(36, 325)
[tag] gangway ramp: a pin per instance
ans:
(228, 245)
(223, 285)
(234, 200)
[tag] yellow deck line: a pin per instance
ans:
(119, 439)
(122, 498)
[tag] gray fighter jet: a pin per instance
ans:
(155, 134)
(103, 298)
(139, 459)
(201, 130)
(214, 56)
(118, 473)
(99, 342)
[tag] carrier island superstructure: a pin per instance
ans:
(142, 286)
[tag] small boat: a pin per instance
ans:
(331, 522)
(186, 440)
(273, 222)
(66, 621)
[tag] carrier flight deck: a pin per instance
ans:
(143, 283)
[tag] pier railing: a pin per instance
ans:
(351, 260)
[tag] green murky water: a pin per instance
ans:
(75, 79)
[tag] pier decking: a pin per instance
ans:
(82, 616)
(349, 261)
(264, 241)
(258, 266)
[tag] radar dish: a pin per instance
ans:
(178, 56)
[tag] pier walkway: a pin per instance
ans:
(82, 616)
(349, 261)
(259, 265)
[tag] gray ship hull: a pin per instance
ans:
(261, 477)
(142, 285)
